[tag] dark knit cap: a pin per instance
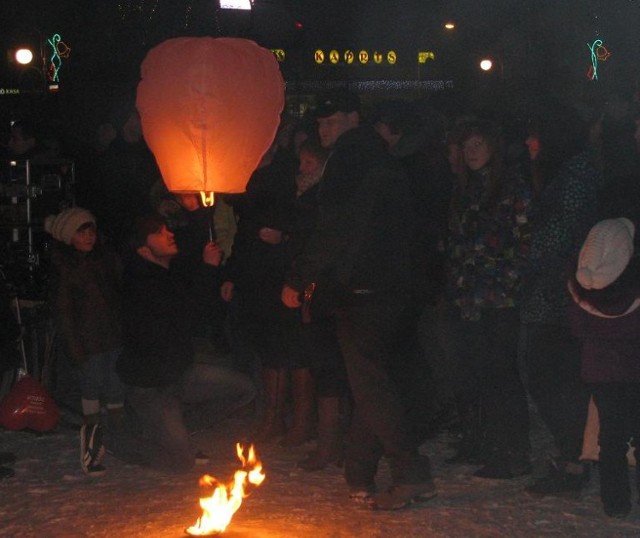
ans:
(338, 100)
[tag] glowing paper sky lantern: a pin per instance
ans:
(209, 108)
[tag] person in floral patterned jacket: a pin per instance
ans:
(488, 250)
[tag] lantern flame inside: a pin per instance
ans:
(207, 198)
(223, 503)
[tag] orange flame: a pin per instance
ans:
(207, 198)
(219, 507)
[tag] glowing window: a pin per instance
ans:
(235, 4)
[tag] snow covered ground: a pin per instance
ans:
(51, 497)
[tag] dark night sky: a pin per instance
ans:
(542, 42)
(115, 33)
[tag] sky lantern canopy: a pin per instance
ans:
(209, 109)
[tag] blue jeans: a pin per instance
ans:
(98, 377)
(161, 418)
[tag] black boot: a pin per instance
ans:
(564, 479)
(92, 449)
(473, 447)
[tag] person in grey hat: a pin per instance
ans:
(363, 244)
(86, 300)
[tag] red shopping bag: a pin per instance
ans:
(28, 405)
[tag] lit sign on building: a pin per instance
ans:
(426, 55)
(279, 54)
(57, 50)
(599, 53)
(236, 4)
(349, 56)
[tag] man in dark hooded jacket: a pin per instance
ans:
(167, 391)
(365, 239)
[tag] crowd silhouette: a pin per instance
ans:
(448, 244)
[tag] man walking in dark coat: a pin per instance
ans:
(365, 239)
(167, 391)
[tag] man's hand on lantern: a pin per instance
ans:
(226, 291)
(290, 297)
(212, 254)
(271, 236)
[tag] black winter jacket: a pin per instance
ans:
(366, 228)
(160, 309)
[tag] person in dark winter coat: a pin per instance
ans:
(167, 392)
(86, 301)
(364, 240)
(561, 216)
(253, 280)
(417, 145)
(318, 338)
(605, 317)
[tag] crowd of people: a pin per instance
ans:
(390, 270)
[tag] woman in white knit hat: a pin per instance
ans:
(605, 317)
(85, 296)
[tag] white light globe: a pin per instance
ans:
(486, 65)
(24, 56)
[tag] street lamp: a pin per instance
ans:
(23, 56)
(24, 71)
(486, 64)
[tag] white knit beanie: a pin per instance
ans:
(605, 253)
(64, 225)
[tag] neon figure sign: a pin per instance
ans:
(599, 53)
(59, 50)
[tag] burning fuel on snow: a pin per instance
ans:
(219, 507)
